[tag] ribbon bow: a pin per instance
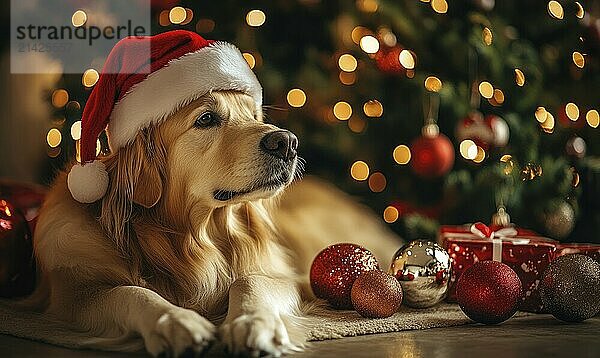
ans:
(482, 230)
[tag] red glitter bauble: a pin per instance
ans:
(375, 294)
(432, 156)
(334, 270)
(489, 292)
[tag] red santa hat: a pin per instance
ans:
(138, 88)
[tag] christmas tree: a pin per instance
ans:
(428, 111)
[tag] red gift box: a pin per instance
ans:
(527, 253)
(591, 250)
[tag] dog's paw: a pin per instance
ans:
(179, 332)
(257, 334)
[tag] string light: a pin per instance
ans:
(498, 96)
(347, 78)
(486, 89)
(60, 97)
(377, 182)
(373, 108)
(541, 114)
(53, 138)
(555, 9)
(79, 18)
(177, 15)
(578, 59)
(572, 111)
(487, 36)
(76, 130)
(357, 124)
(406, 59)
(439, 6)
(390, 214)
(359, 170)
(369, 44)
(90, 77)
(255, 18)
(519, 77)
(296, 97)
(468, 149)
(367, 5)
(593, 118)
(402, 154)
(342, 110)
(433, 84)
(249, 59)
(480, 155)
(580, 12)
(509, 164)
(347, 63)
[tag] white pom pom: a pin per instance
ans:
(88, 183)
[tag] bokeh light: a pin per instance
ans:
(177, 15)
(402, 154)
(255, 18)
(342, 110)
(53, 138)
(359, 170)
(249, 59)
(468, 149)
(367, 5)
(498, 96)
(373, 108)
(487, 36)
(369, 44)
(79, 18)
(433, 84)
(390, 214)
(541, 114)
(296, 97)
(76, 130)
(593, 118)
(479, 155)
(347, 62)
(555, 9)
(357, 124)
(377, 182)
(347, 78)
(439, 6)
(572, 111)
(60, 97)
(406, 59)
(519, 77)
(578, 59)
(548, 124)
(486, 89)
(90, 77)
(580, 12)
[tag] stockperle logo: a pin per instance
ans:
(67, 36)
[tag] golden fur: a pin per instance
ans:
(160, 257)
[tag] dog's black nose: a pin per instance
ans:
(282, 144)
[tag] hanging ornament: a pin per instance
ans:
(489, 292)
(558, 219)
(335, 269)
(423, 269)
(576, 147)
(375, 294)
(433, 152)
(387, 60)
(486, 132)
(570, 288)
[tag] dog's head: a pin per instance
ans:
(215, 151)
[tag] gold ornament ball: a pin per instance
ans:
(375, 294)
(559, 220)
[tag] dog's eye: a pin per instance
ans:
(206, 119)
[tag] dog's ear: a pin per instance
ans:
(148, 185)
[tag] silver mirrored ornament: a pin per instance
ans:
(423, 268)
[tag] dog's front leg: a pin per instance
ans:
(166, 328)
(263, 317)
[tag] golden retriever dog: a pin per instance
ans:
(194, 231)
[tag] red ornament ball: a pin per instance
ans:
(387, 60)
(489, 292)
(375, 294)
(432, 155)
(334, 270)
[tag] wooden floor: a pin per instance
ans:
(532, 336)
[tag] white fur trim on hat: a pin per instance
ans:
(88, 183)
(218, 66)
